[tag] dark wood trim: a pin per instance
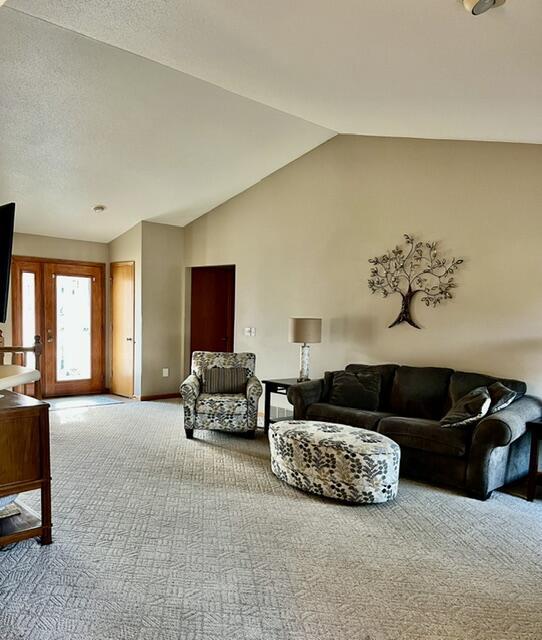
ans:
(160, 396)
(83, 263)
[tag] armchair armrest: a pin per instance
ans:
(304, 394)
(190, 389)
(254, 391)
(254, 388)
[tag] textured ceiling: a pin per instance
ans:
(83, 123)
(416, 68)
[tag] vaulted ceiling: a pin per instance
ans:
(162, 110)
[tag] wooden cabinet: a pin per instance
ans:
(25, 464)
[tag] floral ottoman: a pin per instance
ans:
(335, 460)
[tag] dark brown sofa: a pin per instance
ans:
(477, 459)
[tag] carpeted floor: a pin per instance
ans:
(160, 538)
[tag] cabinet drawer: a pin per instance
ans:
(20, 459)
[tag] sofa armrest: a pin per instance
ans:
(489, 457)
(303, 394)
(190, 389)
(503, 427)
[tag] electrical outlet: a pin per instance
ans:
(253, 331)
(165, 373)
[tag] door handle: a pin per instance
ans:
(129, 339)
(50, 337)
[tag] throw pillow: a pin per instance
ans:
(225, 380)
(328, 384)
(355, 390)
(469, 409)
(501, 396)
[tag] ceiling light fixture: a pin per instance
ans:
(99, 208)
(477, 7)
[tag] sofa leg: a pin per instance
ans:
(481, 496)
(189, 434)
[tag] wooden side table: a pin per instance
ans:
(25, 465)
(274, 386)
(535, 476)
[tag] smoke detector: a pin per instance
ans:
(477, 7)
(99, 208)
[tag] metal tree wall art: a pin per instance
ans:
(411, 270)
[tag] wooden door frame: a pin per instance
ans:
(98, 359)
(122, 263)
(231, 310)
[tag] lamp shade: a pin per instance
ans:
(305, 330)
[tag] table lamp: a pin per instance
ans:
(305, 331)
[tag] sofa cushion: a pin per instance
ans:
(356, 390)
(386, 372)
(469, 409)
(329, 376)
(425, 435)
(323, 412)
(420, 392)
(462, 382)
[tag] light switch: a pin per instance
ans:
(165, 373)
(248, 331)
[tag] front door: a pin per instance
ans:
(73, 340)
(212, 308)
(63, 302)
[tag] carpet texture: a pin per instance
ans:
(160, 538)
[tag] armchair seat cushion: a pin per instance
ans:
(233, 403)
(426, 435)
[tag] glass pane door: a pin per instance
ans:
(29, 329)
(73, 327)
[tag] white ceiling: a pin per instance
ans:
(83, 123)
(416, 68)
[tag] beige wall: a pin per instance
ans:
(301, 240)
(162, 304)
(128, 247)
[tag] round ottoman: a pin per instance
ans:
(334, 460)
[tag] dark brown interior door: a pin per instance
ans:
(212, 309)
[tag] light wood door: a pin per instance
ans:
(74, 329)
(122, 328)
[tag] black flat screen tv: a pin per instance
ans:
(7, 219)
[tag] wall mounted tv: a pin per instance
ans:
(7, 219)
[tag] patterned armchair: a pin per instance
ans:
(225, 412)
